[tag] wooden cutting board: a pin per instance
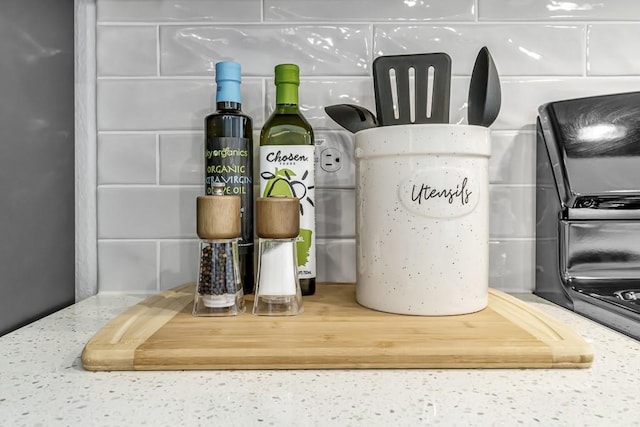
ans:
(333, 333)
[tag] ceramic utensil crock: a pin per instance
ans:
(422, 218)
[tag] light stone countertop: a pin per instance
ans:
(42, 382)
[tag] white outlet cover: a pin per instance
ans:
(345, 176)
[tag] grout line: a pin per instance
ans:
(262, 11)
(157, 159)
(372, 53)
(311, 23)
(148, 239)
(263, 87)
(245, 77)
(198, 132)
(341, 78)
(398, 23)
(149, 186)
(158, 50)
(152, 77)
(177, 23)
(151, 132)
(494, 239)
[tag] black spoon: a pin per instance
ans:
(353, 118)
(485, 95)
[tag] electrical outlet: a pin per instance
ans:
(335, 160)
(330, 160)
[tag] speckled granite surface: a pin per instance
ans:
(42, 383)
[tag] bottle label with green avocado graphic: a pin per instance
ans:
(288, 170)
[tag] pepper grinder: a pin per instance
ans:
(278, 290)
(219, 290)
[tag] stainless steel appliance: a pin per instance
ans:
(588, 208)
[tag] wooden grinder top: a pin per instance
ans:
(277, 217)
(218, 216)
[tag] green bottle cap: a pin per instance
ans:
(287, 73)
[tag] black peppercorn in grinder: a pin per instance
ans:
(219, 289)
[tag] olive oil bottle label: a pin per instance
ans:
(288, 170)
(228, 160)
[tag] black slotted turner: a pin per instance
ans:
(420, 64)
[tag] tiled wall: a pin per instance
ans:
(155, 84)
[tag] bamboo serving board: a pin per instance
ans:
(334, 332)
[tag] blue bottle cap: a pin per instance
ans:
(228, 81)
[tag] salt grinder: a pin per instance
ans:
(278, 288)
(219, 290)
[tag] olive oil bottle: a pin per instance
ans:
(229, 158)
(287, 153)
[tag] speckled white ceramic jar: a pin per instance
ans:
(422, 218)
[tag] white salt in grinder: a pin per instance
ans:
(278, 288)
(219, 289)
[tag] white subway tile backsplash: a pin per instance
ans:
(321, 50)
(335, 213)
(126, 51)
(539, 10)
(147, 212)
(336, 260)
(371, 10)
(512, 265)
(178, 10)
(317, 94)
(512, 158)
(126, 159)
(182, 158)
(127, 266)
(531, 49)
(179, 263)
(609, 47)
(511, 211)
(166, 104)
(154, 104)
(155, 77)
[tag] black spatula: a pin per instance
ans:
(431, 99)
